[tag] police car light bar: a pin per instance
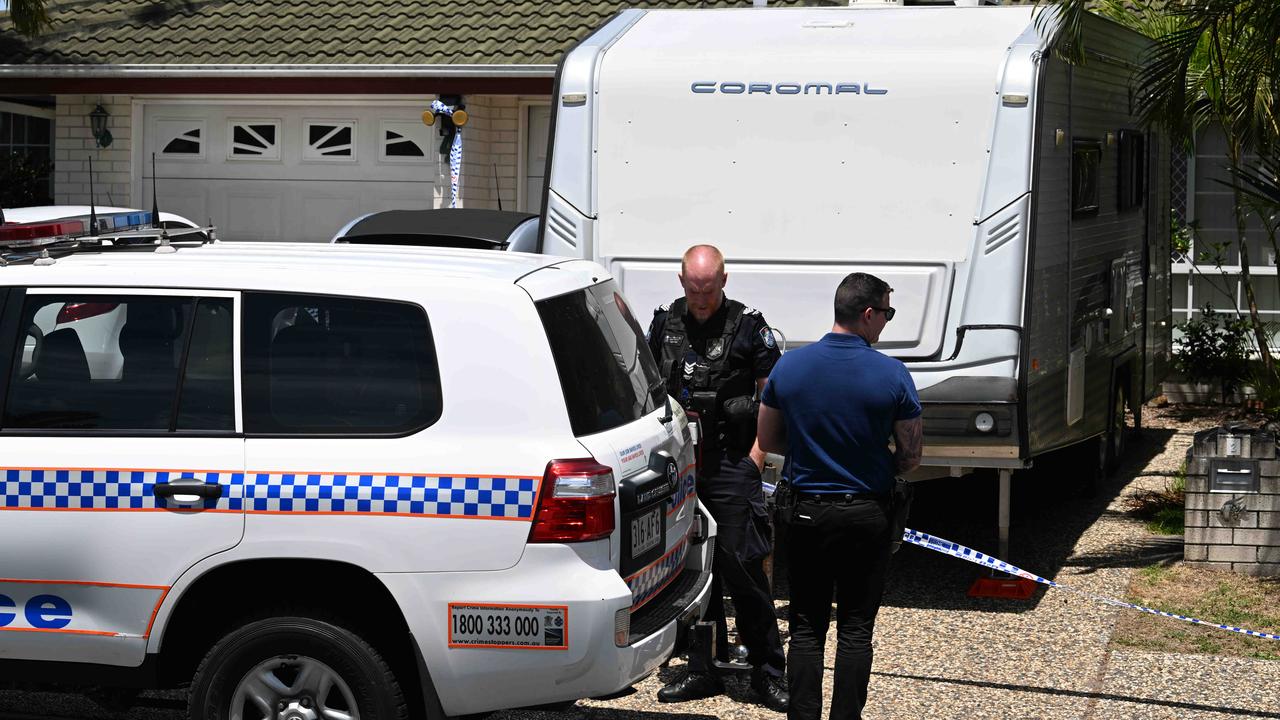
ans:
(15, 235)
(43, 233)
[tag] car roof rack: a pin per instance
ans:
(42, 243)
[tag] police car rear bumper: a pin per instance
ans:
(579, 577)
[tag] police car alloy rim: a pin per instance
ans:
(293, 687)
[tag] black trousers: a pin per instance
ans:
(736, 502)
(842, 547)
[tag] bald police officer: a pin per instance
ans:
(716, 354)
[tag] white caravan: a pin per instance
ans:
(1012, 201)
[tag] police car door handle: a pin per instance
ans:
(188, 490)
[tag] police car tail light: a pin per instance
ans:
(79, 311)
(576, 502)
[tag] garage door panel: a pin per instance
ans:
(298, 197)
(399, 196)
(324, 213)
(255, 211)
(187, 198)
(302, 172)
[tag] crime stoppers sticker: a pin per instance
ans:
(524, 627)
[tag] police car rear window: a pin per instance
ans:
(122, 362)
(319, 364)
(606, 371)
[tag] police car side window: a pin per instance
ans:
(318, 364)
(117, 362)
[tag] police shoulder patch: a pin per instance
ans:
(750, 311)
(767, 336)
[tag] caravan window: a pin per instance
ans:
(1086, 159)
(1132, 180)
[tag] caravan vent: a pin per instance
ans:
(562, 226)
(1000, 234)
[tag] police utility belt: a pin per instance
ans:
(898, 503)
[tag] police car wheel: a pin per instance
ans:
(295, 668)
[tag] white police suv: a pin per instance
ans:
(328, 481)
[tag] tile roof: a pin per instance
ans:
(317, 32)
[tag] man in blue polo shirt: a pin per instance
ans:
(832, 407)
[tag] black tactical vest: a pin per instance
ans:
(688, 372)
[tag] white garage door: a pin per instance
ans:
(295, 172)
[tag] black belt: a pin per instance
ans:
(838, 498)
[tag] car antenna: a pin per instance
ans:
(155, 204)
(93, 211)
(497, 189)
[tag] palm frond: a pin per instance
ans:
(1063, 21)
(29, 17)
(1174, 80)
(1260, 184)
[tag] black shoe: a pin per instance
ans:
(772, 691)
(693, 686)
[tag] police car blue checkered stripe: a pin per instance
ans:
(481, 497)
(473, 497)
(76, 489)
(647, 583)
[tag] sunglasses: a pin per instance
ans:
(889, 312)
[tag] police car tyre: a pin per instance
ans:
(322, 672)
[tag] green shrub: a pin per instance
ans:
(23, 181)
(1214, 348)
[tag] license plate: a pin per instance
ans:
(508, 626)
(646, 530)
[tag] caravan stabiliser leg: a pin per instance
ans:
(999, 584)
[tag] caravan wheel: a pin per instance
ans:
(1115, 442)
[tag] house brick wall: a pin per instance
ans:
(490, 146)
(74, 146)
(1245, 540)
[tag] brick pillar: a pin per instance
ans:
(1238, 531)
(489, 151)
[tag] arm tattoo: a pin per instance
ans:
(908, 440)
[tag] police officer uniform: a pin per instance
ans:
(711, 368)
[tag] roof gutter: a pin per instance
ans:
(84, 72)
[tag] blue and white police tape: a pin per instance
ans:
(956, 550)
(455, 151)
